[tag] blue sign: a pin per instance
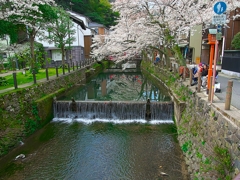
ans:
(220, 7)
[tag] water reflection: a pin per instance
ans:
(119, 87)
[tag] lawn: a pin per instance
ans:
(28, 77)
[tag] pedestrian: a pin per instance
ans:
(204, 75)
(196, 72)
(157, 59)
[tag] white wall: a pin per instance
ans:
(79, 38)
(85, 21)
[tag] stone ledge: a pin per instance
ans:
(233, 114)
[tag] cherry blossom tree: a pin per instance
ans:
(32, 13)
(154, 25)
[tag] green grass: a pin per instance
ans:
(28, 77)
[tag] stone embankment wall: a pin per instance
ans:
(23, 111)
(209, 139)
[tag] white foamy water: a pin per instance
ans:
(115, 121)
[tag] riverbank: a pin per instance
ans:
(65, 140)
(208, 135)
(29, 108)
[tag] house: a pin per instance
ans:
(230, 62)
(80, 50)
(8, 50)
(227, 59)
(87, 32)
(92, 29)
(183, 43)
(75, 54)
(4, 43)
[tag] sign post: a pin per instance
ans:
(220, 7)
(219, 19)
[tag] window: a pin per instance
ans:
(3, 55)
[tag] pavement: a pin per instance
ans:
(219, 98)
(2, 74)
(223, 80)
(22, 85)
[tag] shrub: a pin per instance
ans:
(236, 41)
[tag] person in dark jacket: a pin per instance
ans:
(204, 75)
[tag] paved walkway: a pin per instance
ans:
(219, 98)
(8, 73)
(23, 85)
(223, 80)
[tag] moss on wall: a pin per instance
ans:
(45, 106)
(23, 111)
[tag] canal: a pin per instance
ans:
(87, 148)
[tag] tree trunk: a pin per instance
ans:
(167, 59)
(63, 56)
(32, 60)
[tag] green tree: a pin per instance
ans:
(236, 41)
(11, 29)
(60, 31)
(33, 18)
(97, 10)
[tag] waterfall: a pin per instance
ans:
(123, 111)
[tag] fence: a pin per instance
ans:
(231, 61)
(65, 69)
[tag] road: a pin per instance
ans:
(223, 80)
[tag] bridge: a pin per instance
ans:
(132, 65)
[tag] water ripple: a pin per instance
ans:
(100, 151)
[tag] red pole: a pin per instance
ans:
(214, 69)
(210, 66)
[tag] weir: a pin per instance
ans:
(122, 110)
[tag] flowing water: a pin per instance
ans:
(123, 111)
(96, 146)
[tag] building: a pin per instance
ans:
(87, 32)
(75, 54)
(92, 29)
(230, 62)
(4, 43)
